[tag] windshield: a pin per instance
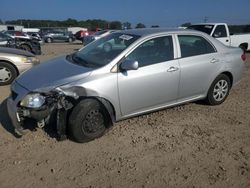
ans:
(204, 28)
(101, 52)
(4, 36)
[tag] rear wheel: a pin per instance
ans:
(88, 121)
(7, 73)
(244, 46)
(49, 40)
(70, 40)
(219, 90)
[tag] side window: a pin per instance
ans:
(153, 51)
(194, 45)
(220, 31)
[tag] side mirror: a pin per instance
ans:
(129, 65)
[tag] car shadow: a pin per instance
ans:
(5, 119)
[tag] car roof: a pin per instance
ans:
(152, 31)
(208, 23)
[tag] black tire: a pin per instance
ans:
(26, 47)
(88, 121)
(70, 40)
(8, 69)
(216, 94)
(244, 47)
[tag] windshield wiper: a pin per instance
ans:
(79, 60)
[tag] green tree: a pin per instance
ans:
(140, 25)
(126, 25)
(1, 21)
(115, 25)
(70, 22)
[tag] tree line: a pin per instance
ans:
(99, 23)
(90, 24)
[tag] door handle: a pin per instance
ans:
(172, 69)
(214, 60)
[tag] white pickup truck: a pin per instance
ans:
(221, 32)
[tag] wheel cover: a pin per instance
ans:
(220, 90)
(93, 122)
(5, 74)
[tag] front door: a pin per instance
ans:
(155, 83)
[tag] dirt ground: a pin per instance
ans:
(193, 145)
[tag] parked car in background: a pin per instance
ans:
(81, 34)
(26, 44)
(13, 62)
(36, 36)
(122, 75)
(221, 32)
(58, 36)
(17, 34)
(97, 35)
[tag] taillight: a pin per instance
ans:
(244, 56)
(82, 33)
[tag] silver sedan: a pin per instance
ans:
(125, 74)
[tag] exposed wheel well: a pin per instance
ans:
(107, 104)
(11, 65)
(230, 76)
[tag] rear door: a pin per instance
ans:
(199, 64)
(155, 83)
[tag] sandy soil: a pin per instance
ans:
(193, 145)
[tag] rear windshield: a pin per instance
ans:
(203, 28)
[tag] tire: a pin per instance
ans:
(244, 47)
(70, 40)
(88, 121)
(26, 47)
(49, 40)
(7, 73)
(219, 90)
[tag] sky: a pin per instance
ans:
(149, 12)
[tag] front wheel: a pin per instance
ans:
(7, 73)
(88, 121)
(219, 90)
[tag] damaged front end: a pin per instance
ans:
(40, 106)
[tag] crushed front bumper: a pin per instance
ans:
(17, 93)
(14, 117)
(55, 103)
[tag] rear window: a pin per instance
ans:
(194, 45)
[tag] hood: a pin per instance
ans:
(52, 74)
(15, 51)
